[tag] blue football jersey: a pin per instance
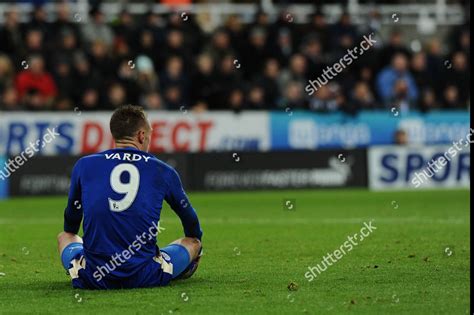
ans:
(119, 194)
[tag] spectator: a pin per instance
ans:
(173, 78)
(175, 47)
(219, 46)
(324, 100)
(464, 43)
(366, 74)
(401, 98)
(256, 98)
(261, 20)
(148, 46)
(64, 77)
(395, 46)
(124, 29)
(34, 43)
(459, 38)
(235, 30)
(11, 36)
(428, 101)
(86, 77)
(67, 47)
(200, 107)
(293, 96)
(236, 100)
(6, 72)
(116, 96)
(9, 100)
(97, 30)
(395, 81)
(191, 30)
(283, 23)
(345, 43)
(296, 71)
(374, 25)
(90, 99)
(459, 76)
(284, 47)
(126, 77)
(63, 104)
(100, 60)
(147, 79)
(451, 98)
(121, 50)
(421, 74)
(90, 62)
(228, 78)
(343, 31)
(434, 59)
(362, 97)
(400, 137)
(36, 86)
(153, 25)
(318, 28)
(63, 25)
(152, 101)
(173, 97)
(269, 82)
(313, 53)
(255, 51)
(39, 23)
(204, 82)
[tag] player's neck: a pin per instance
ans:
(126, 144)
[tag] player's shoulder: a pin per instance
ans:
(163, 166)
(85, 159)
(127, 155)
(89, 158)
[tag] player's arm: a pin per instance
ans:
(74, 211)
(178, 201)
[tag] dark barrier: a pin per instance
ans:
(42, 176)
(285, 170)
(217, 171)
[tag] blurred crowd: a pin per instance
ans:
(167, 62)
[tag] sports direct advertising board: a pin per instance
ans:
(79, 134)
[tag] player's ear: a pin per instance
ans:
(141, 136)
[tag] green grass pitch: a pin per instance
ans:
(416, 261)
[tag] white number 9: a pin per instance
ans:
(130, 189)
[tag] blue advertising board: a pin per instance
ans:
(303, 130)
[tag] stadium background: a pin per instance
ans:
(224, 86)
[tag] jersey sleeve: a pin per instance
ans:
(178, 201)
(74, 212)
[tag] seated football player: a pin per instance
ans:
(118, 194)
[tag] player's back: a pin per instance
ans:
(122, 192)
